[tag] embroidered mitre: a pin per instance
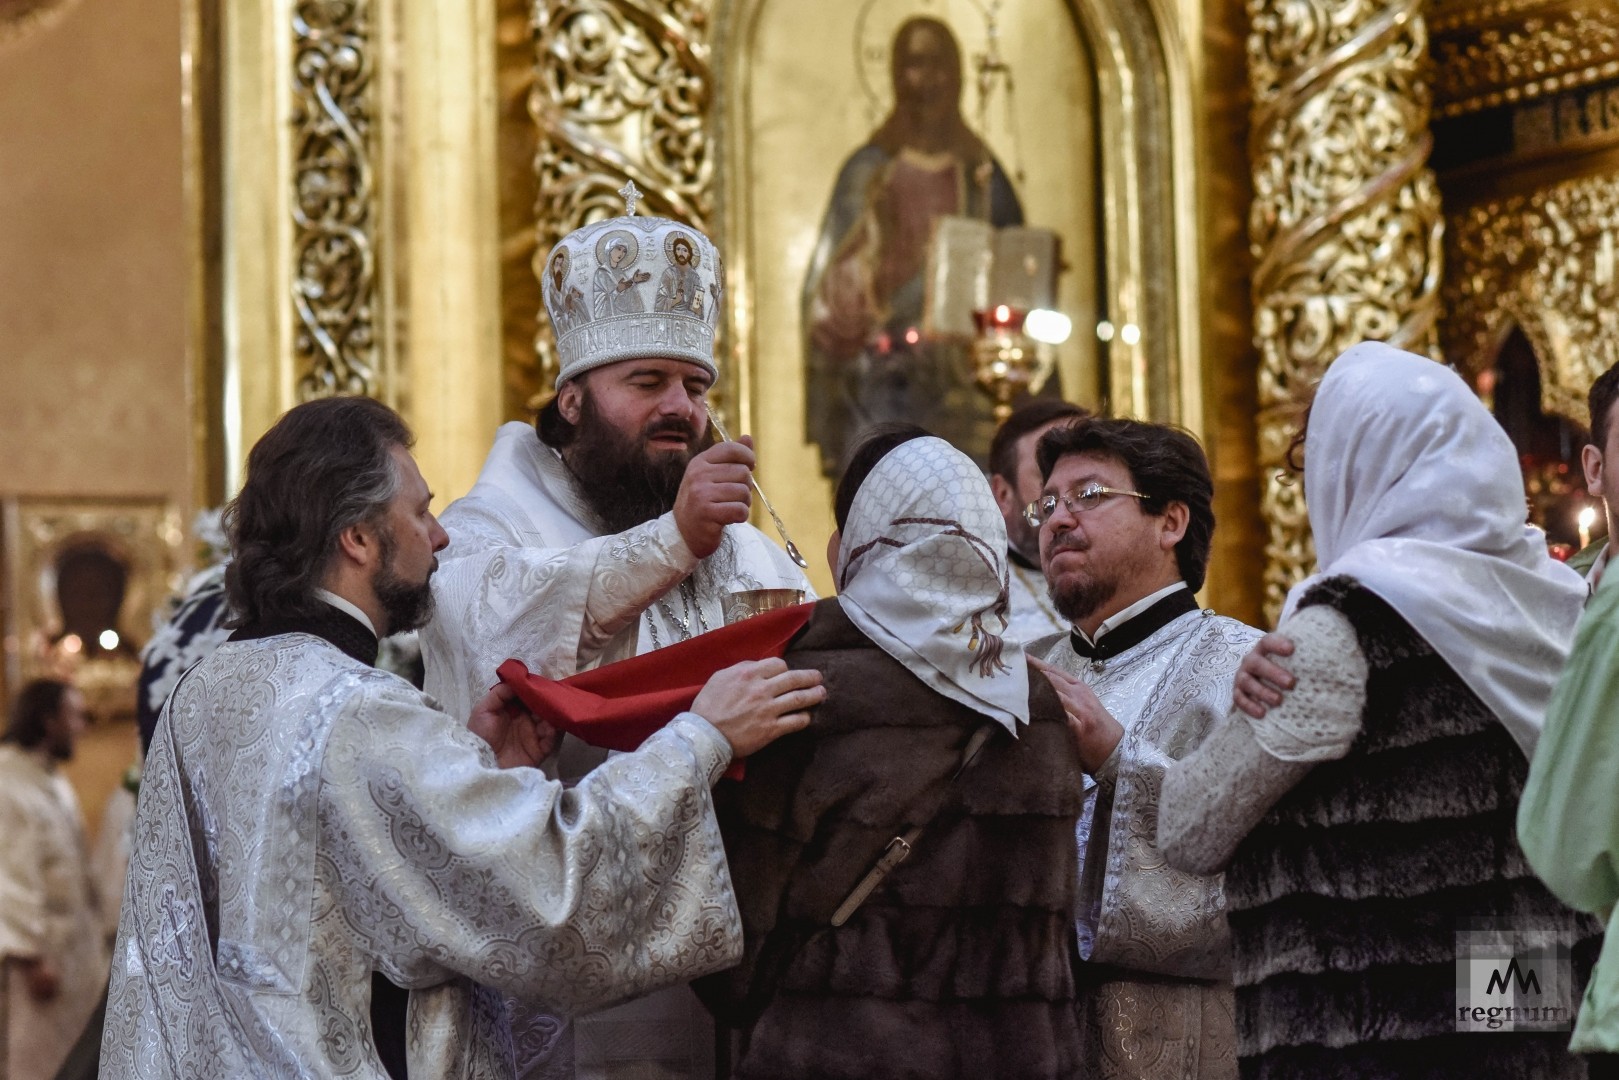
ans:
(633, 287)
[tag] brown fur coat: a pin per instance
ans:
(959, 965)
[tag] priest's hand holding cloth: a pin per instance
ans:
(617, 706)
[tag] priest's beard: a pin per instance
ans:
(624, 483)
(59, 747)
(1075, 595)
(405, 604)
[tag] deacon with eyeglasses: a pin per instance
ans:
(1125, 523)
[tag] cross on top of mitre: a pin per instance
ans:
(631, 195)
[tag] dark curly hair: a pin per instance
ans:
(1604, 392)
(1026, 418)
(554, 431)
(326, 465)
(1166, 464)
(31, 712)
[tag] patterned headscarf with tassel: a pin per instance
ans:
(922, 571)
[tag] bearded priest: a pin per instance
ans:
(307, 822)
(612, 527)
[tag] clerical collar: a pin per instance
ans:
(1136, 623)
(333, 623)
(347, 607)
(1017, 558)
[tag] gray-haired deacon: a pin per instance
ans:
(307, 822)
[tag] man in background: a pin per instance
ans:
(1597, 457)
(1014, 478)
(52, 942)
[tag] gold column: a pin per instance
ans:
(447, 237)
(621, 92)
(1230, 363)
(521, 298)
(202, 102)
(254, 265)
(342, 191)
(1345, 223)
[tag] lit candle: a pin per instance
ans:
(1587, 518)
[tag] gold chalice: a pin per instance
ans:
(750, 602)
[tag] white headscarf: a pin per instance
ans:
(922, 572)
(1414, 491)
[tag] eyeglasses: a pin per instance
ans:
(1086, 498)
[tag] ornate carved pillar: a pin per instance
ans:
(334, 199)
(341, 170)
(282, 194)
(1345, 223)
(1527, 129)
(621, 92)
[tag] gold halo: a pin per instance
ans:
(691, 242)
(631, 241)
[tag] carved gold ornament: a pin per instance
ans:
(621, 93)
(1544, 262)
(1345, 225)
(1484, 59)
(333, 204)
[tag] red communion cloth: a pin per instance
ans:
(617, 706)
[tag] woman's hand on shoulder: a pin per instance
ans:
(1262, 682)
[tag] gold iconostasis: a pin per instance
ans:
(1214, 198)
(1179, 210)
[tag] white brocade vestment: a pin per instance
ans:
(1034, 616)
(1136, 913)
(528, 575)
(305, 820)
(48, 910)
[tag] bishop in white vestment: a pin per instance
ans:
(606, 530)
(529, 574)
